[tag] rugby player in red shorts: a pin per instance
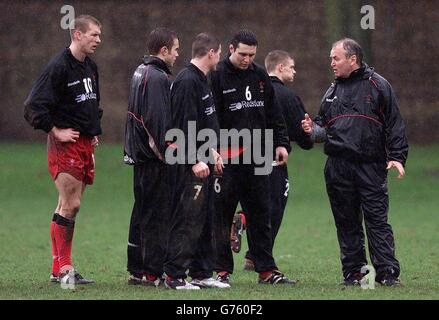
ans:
(64, 102)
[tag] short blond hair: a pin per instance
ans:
(274, 58)
(82, 23)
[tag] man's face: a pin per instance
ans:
(171, 55)
(89, 40)
(287, 71)
(242, 56)
(340, 63)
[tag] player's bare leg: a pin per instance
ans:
(70, 191)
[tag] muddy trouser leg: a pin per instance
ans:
(188, 224)
(154, 214)
(226, 197)
(279, 188)
(346, 209)
(203, 262)
(256, 199)
(375, 204)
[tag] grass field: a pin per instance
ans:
(306, 247)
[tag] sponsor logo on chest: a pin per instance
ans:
(248, 102)
(88, 93)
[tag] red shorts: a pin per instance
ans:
(76, 159)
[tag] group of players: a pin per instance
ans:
(183, 213)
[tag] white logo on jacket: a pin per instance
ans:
(229, 91)
(210, 110)
(73, 83)
(85, 96)
(246, 104)
(331, 100)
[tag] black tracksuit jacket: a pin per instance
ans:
(247, 104)
(66, 95)
(362, 119)
(192, 100)
(149, 112)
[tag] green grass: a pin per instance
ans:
(306, 247)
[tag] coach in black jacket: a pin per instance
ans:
(364, 136)
(148, 119)
(281, 68)
(244, 98)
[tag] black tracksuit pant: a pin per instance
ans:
(190, 242)
(359, 189)
(279, 189)
(239, 184)
(149, 226)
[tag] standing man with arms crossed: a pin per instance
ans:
(244, 98)
(190, 243)
(364, 135)
(64, 102)
(148, 119)
(280, 67)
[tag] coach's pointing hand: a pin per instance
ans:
(307, 124)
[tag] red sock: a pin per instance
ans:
(150, 277)
(265, 274)
(64, 240)
(55, 263)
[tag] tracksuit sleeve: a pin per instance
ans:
(396, 140)
(294, 116)
(157, 116)
(43, 98)
(275, 119)
(213, 79)
(98, 95)
(319, 122)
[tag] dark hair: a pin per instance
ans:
(82, 22)
(275, 57)
(159, 38)
(352, 48)
(244, 36)
(203, 43)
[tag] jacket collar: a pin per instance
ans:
(200, 73)
(75, 63)
(275, 79)
(231, 68)
(159, 63)
(364, 72)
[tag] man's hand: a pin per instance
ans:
(201, 170)
(65, 135)
(219, 165)
(307, 124)
(95, 141)
(281, 156)
(398, 166)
